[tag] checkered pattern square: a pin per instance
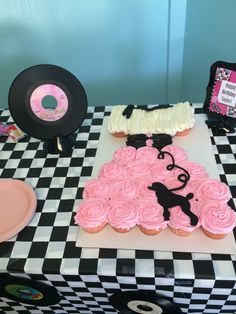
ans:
(85, 278)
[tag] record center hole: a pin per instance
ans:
(49, 102)
(145, 308)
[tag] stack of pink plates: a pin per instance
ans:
(18, 203)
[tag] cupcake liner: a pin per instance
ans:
(149, 231)
(183, 133)
(120, 230)
(119, 134)
(213, 235)
(95, 229)
(180, 232)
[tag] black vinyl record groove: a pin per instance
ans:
(25, 101)
(28, 291)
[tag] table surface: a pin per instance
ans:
(47, 244)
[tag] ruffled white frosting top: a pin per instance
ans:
(169, 120)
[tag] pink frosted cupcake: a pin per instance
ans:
(180, 223)
(195, 183)
(143, 190)
(125, 155)
(112, 170)
(96, 188)
(147, 154)
(159, 172)
(212, 190)
(177, 152)
(138, 169)
(172, 182)
(123, 215)
(92, 215)
(151, 220)
(124, 188)
(195, 170)
(217, 219)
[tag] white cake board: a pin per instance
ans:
(199, 149)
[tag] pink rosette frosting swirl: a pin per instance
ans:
(212, 189)
(92, 213)
(195, 170)
(112, 170)
(144, 191)
(218, 218)
(177, 152)
(124, 188)
(138, 169)
(160, 173)
(179, 220)
(151, 215)
(172, 182)
(96, 188)
(147, 154)
(186, 190)
(123, 214)
(195, 183)
(125, 155)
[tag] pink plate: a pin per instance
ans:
(18, 203)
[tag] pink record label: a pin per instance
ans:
(49, 114)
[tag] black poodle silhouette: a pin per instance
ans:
(167, 199)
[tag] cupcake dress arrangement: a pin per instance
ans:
(155, 188)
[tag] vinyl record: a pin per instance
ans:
(28, 291)
(46, 101)
(146, 302)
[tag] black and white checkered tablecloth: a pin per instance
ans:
(45, 249)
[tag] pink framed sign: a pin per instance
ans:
(221, 91)
(220, 102)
